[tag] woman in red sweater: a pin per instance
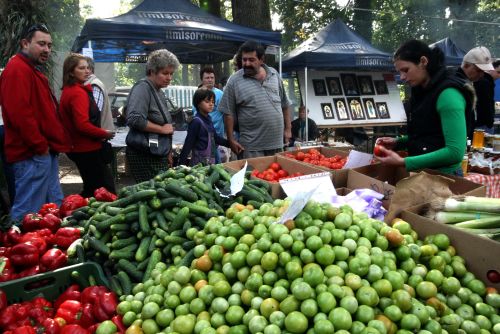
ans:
(81, 117)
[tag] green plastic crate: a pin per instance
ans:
(50, 284)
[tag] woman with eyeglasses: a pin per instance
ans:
(82, 119)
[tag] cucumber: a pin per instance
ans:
(169, 215)
(134, 273)
(155, 203)
(99, 246)
(120, 243)
(152, 244)
(106, 237)
(162, 193)
(162, 222)
(161, 233)
(199, 210)
(129, 209)
(153, 260)
(202, 186)
(142, 266)
(255, 204)
(106, 224)
(212, 179)
(142, 251)
(123, 234)
(188, 245)
(115, 285)
(180, 219)
(80, 214)
(124, 253)
(199, 222)
(260, 184)
(125, 282)
(99, 217)
(187, 259)
(143, 219)
(113, 210)
(141, 195)
(170, 202)
(79, 279)
(120, 227)
(174, 240)
(184, 192)
(224, 175)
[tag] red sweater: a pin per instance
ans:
(32, 124)
(75, 104)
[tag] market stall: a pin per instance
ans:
(345, 81)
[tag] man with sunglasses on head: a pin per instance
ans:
(34, 134)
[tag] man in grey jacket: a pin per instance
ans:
(101, 98)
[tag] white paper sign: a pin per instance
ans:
(320, 183)
(357, 159)
(238, 179)
(298, 203)
(88, 52)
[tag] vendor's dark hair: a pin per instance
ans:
(206, 69)
(250, 46)
(30, 32)
(413, 50)
(201, 94)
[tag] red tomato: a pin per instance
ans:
(282, 173)
(377, 151)
(300, 156)
(255, 172)
(275, 166)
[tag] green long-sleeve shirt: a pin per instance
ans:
(451, 109)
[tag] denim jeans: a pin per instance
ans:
(37, 182)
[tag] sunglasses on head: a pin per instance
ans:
(37, 27)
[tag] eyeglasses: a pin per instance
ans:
(37, 27)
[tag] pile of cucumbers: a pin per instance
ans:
(156, 220)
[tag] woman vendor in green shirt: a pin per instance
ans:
(436, 117)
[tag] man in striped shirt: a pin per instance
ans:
(255, 100)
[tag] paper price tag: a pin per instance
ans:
(298, 203)
(238, 179)
(357, 159)
(319, 183)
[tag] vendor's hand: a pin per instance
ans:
(170, 159)
(236, 147)
(167, 129)
(387, 142)
(389, 157)
(287, 134)
(109, 134)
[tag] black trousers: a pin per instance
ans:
(94, 171)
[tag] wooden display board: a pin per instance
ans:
(349, 98)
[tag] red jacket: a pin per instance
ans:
(32, 124)
(75, 105)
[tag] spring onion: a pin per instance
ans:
(482, 230)
(457, 217)
(452, 204)
(492, 222)
(475, 199)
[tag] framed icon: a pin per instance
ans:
(371, 112)
(341, 109)
(350, 84)
(333, 85)
(355, 108)
(319, 87)
(327, 110)
(382, 110)
(366, 85)
(381, 87)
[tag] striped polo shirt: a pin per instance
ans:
(258, 108)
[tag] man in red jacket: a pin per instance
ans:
(34, 134)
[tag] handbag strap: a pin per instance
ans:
(157, 101)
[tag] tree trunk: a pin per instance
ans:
(252, 13)
(362, 19)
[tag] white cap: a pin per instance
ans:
(481, 57)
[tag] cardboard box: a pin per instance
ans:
(480, 254)
(392, 175)
(291, 166)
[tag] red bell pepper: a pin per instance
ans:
(70, 310)
(117, 320)
(71, 203)
(51, 221)
(13, 236)
(99, 312)
(3, 300)
(50, 326)
(24, 330)
(108, 302)
(74, 329)
(65, 236)
(8, 316)
(71, 293)
(92, 329)
(4, 251)
(92, 294)
(24, 255)
(6, 271)
(103, 195)
(31, 271)
(22, 313)
(48, 207)
(52, 259)
(35, 239)
(87, 317)
(31, 222)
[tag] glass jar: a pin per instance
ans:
(478, 139)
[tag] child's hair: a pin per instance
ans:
(201, 94)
